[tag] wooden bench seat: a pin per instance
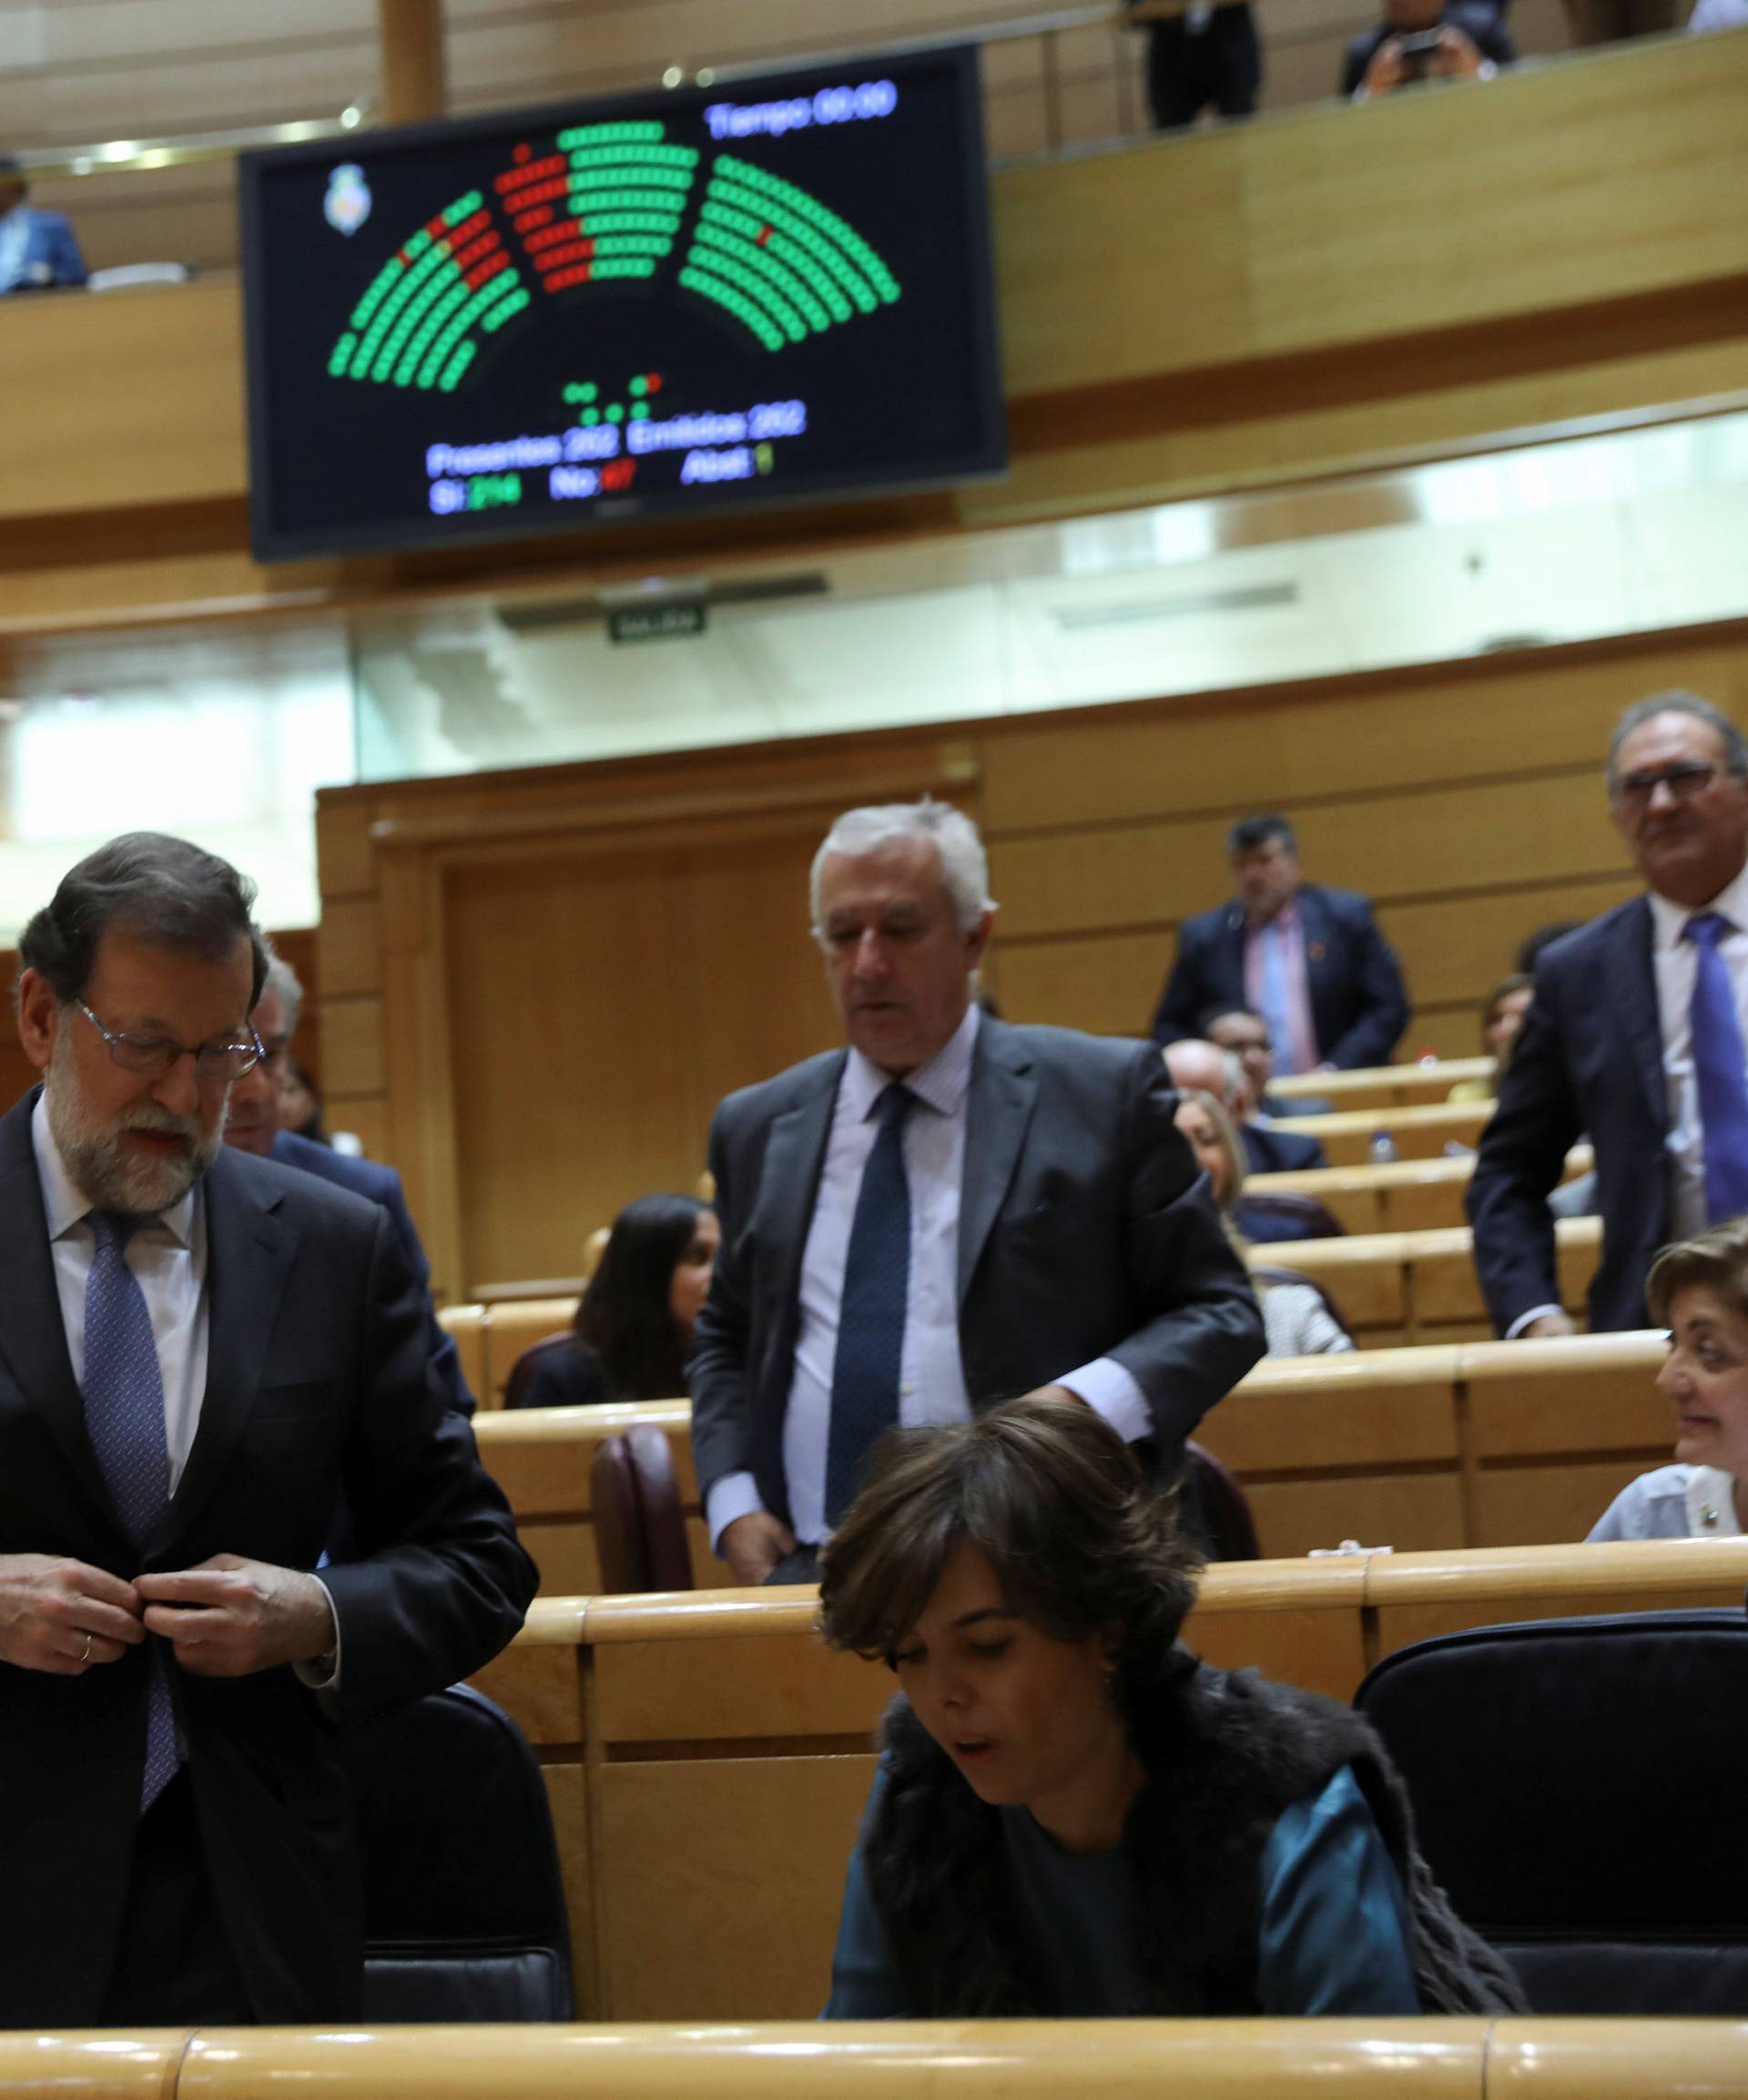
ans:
(1421, 1130)
(737, 2059)
(1397, 1289)
(698, 1745)
(1384, 1086)
(1491, 1443)
(1404, 1195)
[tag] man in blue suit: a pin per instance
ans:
(37, 249)
(1635, 1035)
(253, 1125)
(1310, 960)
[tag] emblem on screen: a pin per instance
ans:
(609, 203)
(348, 203)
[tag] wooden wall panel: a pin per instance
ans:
(602, 1004)
(623, 945)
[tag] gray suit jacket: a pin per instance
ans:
(1084, 1230)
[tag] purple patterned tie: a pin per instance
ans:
(124, 1417)
(1719, 1071)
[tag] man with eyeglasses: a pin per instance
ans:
(1636, 1036)
(253, 1125)
(198, 1352)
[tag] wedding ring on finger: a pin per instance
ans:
(84, 1653)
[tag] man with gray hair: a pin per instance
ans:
(1636, 1035)
(946, 1214)
(198, 1350)
(253, 1125)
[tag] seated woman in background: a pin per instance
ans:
(1294, 1318)
(634, 1322)
(1073, 1816)
(1699, 1290)
(1502, 1020)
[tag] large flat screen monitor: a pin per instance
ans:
(666, 304)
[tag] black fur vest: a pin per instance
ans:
(1226, 1752)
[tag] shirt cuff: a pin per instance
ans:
(1110, 1391)
(735, 1495)
(1524, 1319)
(322, 1675)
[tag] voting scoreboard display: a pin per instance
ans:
(775, 291)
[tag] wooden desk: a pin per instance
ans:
(1399, 1289)
(1383, 1085)
(1484, 1444)
(696, 1745)
(1406, 1196)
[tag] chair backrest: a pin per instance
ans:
(1574, 1782)
(1271, 1274)
(639, 1520)
(464, 1913)
(516, 1387)
(1287, 1214)
(1227, 1527)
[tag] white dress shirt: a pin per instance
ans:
(1675, 966)
(167, 1255)
(931, 1376)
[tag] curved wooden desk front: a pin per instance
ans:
(1470, 2059)
(707, 1759)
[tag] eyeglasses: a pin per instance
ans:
(1686, 781)
(157, 1055)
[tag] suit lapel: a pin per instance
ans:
(1002, 1096)
(250, 1252)
(33, 1336)
(1633, 998)
(789, 1185)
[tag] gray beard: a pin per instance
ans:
(110, 1176)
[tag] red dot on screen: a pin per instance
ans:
(653, 382)
(522, 154)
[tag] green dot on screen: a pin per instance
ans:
(591, 415)
(589, 393)
(640, 386)
(615, 413)
(641, 412)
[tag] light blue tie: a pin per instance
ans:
(124, 1417)
(1720, 1068)
(870, 1317)
(1277, 1001)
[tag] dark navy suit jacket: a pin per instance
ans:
(1277, 1151)
(49, 243)
(1358, 1003)
(1590, 1060)
(318, 1381)
(382, 1186)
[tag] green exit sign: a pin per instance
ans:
(656, 623)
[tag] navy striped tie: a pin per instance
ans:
(871, 1319)
(124, 1417)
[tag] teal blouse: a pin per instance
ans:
(1334, 1937)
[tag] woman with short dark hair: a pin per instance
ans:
(634, 1322)
(1073, 1816)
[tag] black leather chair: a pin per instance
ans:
(522, 1371)
(1576, 1784)
(639, 1523)
(464, 1908)
(1285, 1214)
(1217, 1507)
